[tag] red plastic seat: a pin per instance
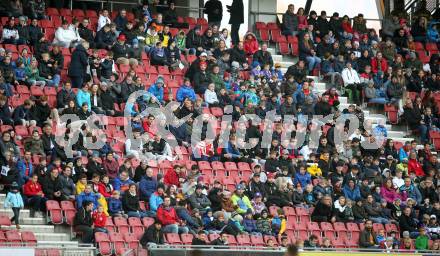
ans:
(53, 252)
(28, 238)
(266, 238)
(118, 242)
(232, 241)
(327, 228)
(54, 212)
(264, 34)
(313, 228)
(109, 225)
(13, 238)
(173, 238)
(419, 46)
(391, 227)
(69, 211)
(377, 227)
(103, 242)
(21, 130)
(186, 238)
(260, 25)
(77, 13)
(5, 221)
(23, 89)
(257, 241)
(283, 47)
(337, 242)
(136, 226)
(432, 48)
(289, 211)
(303, 214)
(131, 240)
(212, 237)
(121, 224)
(243, 239)
(217, 112)
(52, 11)
(339, 226)
(36, 91)
(351, 243)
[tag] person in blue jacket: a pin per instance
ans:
(87, 195)
(25, 167)
(115, 205)
(15, 201)
(432, 34)
(147, 185)
(351, 191)
(83, 96)
(186, 91)
(156, 199)
(123, 180)
(302, 177)
(157, 89)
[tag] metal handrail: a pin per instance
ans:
(111, 2)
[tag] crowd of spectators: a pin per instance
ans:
(336, 183)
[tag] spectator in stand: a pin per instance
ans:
(236, 19)
(147, 185)
(407, 223)
(263, 56)
(34, 196)
(67, 183)
(65, 36)
(360, 24)
(49, 71)
(10, 33)
(214, 10)
(37, 9)
(23, 31)
(130, 202)
(103, 19)
(122, 54)
(352, 83)
(322, 26)
(121, 20)
(78, 65)
(83, 222)
(307, 52)
(121, 182)
(86, 33)
(374, 211)
(250, 43)
(367, 238)
(35, 33)
(323, 211)
(290, 21)
(153, 235)
(419, 29)
(167, 216)
(104, 38)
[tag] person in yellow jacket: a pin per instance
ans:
(314, 170)
(279, 223)
(81, 185)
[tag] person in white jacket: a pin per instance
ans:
(103, 19)
(64, 35)
(352, 83)
(10, 32)
(211, 96)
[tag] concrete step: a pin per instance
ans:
(56, 244)
(52, 237)
(388, 126)
(24, 213)
(320, 86)
(396, 133)
(34, 228)
(277, 58)
(401, 139)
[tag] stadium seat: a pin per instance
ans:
(53, 252)
(28, 238)
(257, 240)
(173, 238)
(69, 211)
(327, 229)
(54, 212)
(147, 221)
(432, 48)
(136, 226)
(103, 242)
(118, 242)
(121, 225)
(131, 240)
(232, 241)
(302, 214)
(186, 238)
(13, 238)
(243, 240)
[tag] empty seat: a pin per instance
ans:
(103, 242)
(121, 224)
(13, 238)
(54, 212)
(257, 240)
(136, 226)
(69, 211)
(173, 238)
(131, 240)
(243, 239)
(186, 238)
(28, 238)
(118, 242)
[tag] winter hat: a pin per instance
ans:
(235, 64)
(160, 80)
(14, 186)
(122, 37)
(255, 64)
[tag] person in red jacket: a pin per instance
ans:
(110, 165)
(167, 215)
(414, 166)
(35, 196)
(379, 63)
(104, 187)
(250, 44)
(172, 176)
(99, 220)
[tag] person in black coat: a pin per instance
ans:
(407, 223)
(322, 25)
(153, 235)
(78, 65)
(83, 222)
(104, 38)
(86, 33)
(65, 95)
(236, 19)
(200, 239)
(323, 211)
(201, 79)
(35, 32)
(52, 186)
(214, 10)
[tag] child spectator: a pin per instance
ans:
(115, 205)
(15, 201)
(264, 224)
(250, 224)
(100, 220)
